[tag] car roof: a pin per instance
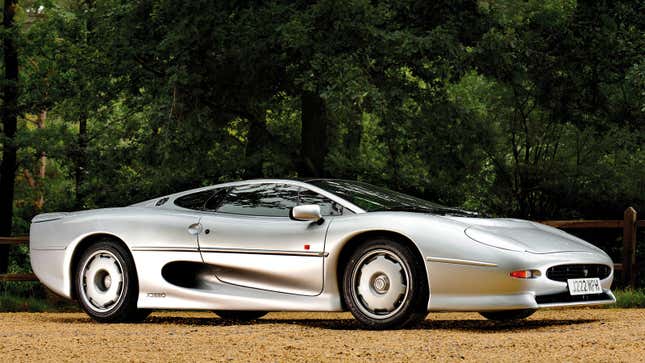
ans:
(303, 182)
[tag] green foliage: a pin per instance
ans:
(533, 109)
(11, 301)
(629, 298)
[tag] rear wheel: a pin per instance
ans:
(240, 315)
(141, 315)
(106, 284)
(385, 286)
(507, 315)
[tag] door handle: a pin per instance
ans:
(195, 228)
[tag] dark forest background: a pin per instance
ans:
(532, 109)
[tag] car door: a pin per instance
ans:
(252, 241)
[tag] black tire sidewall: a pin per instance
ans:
(126, 307)
(414, 307)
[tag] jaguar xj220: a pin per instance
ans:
(246, 248)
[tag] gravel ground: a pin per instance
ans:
(550, 335)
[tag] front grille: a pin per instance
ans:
(565, 272)
(565, 297)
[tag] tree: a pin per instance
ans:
(556, 96)
(10, 94)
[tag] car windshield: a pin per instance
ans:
(372, 198)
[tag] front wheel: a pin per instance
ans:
(507, 315)
(385, 286)
(106, 284)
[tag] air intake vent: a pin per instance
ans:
(565, 272)
(565, 297)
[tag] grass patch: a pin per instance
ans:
(16, 303)
(12, 303)
(629, 298)
(31, 297)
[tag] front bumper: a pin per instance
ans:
(456, 286)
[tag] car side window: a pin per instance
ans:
(196, 200)
(327, 206)
(270, 200)
(215, 200)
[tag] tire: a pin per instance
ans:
(106, 284)
(240, 315)
(141, 315)
(385, 286)
(507, 315)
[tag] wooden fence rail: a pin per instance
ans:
(16, 277)
(629, 224)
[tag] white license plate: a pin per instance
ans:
(584, 286)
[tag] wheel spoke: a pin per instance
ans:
(398, 290)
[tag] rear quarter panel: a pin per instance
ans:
(53, 243)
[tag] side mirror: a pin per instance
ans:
(307, 212)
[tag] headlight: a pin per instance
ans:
(493, 240)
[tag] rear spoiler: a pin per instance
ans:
(46, 217)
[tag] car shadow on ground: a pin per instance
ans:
(461, 325)
(351, 324)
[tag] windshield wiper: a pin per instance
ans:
(461, 213)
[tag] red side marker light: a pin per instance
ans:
(525, 274)
(307, 247)
(521, 274)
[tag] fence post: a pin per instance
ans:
(629, 247)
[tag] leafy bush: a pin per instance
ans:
(31, 297)
(13, 303)
(629, 298)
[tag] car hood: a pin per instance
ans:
(523, 235)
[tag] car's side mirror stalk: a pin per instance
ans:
(306, 212)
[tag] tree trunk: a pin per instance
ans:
(354, 134)
(9, 124)
(258, 139)
(80, 170)
(81, 162)
(352, 143)
(37, 185)
(313, 149)
(42, 118)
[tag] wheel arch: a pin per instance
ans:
(355, 241)
(82, 246)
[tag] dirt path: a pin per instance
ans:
(555, 335)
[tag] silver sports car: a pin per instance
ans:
(245, 248)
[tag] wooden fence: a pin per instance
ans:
(629, 224)
(16, 277)
(628, 266)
